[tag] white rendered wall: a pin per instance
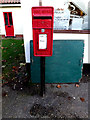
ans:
(83, 4)
(27, 27)
(17, 20)
(2, 27)
(26, 6)
(75, 37)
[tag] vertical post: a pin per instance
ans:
(42, 66)
(40, 2)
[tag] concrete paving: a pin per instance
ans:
(68, 101)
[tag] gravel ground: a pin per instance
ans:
(65, 101)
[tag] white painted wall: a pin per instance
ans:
(27, 27)
(84, 37)
(2, 31)
(26, 6)
(17, 20)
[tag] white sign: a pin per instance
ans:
(61, 19)
(42, 41)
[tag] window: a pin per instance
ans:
(70, 17)
(10, 18)
(6, 19)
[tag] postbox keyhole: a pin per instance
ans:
(42, 30)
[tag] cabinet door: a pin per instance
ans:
(64, 66)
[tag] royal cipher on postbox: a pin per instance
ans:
(42, 24)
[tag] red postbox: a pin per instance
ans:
(42, 24)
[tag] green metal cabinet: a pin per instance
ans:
(65, 65)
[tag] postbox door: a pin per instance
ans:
(43, 43)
